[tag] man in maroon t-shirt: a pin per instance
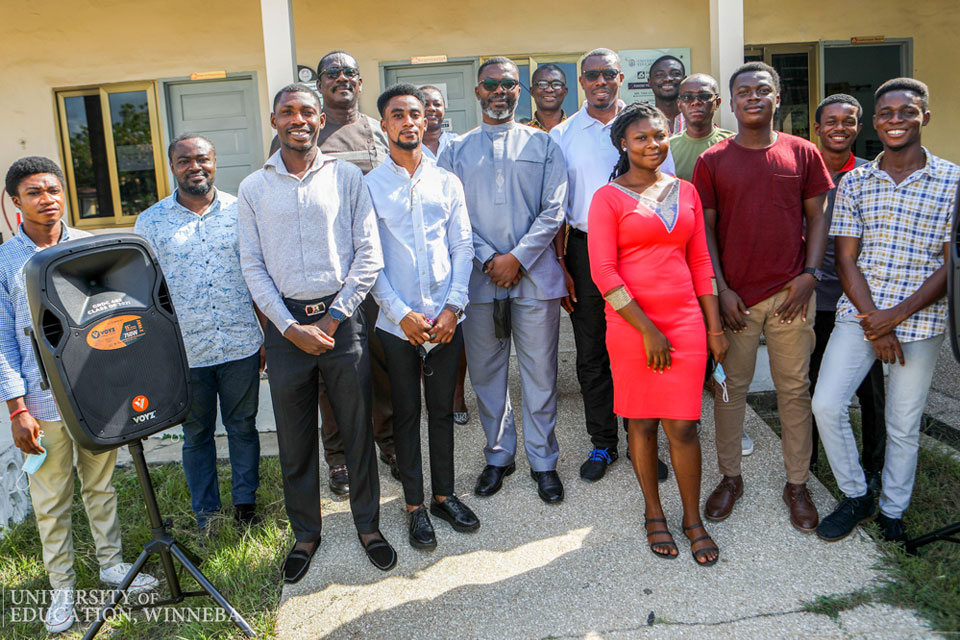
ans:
(758, 188)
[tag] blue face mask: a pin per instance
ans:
(721, 379)
(34, 460)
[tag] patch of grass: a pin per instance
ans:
(929, 582)
(242, 565)
(834, 605)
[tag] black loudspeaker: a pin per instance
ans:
(107, 339)
(953, 280)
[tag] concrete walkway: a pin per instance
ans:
(582, 569)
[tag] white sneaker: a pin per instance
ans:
(60, 615)
(115, 574)
(746, 444)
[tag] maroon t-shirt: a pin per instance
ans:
(758, 195)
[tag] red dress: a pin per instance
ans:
(662, 260)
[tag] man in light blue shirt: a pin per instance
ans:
(422, 291)
(514, 179)
(194, 233)
(590, 156)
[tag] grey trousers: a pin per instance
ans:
(535, 333)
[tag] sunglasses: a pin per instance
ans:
(490, 85)
(705, 98)
(334, 72)
(593, 74)
(543, 85)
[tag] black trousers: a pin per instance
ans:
(589, 333)
(295, 379)
(333, 448)
(439, 368)
(870, 393)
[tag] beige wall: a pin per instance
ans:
(933, 25)
(472, 28)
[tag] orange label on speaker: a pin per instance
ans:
(140, 403)
(116, 333)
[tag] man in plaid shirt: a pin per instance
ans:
(892, 223)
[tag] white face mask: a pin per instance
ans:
(721, 378)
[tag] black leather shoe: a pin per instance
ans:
(246, 514)
(391, 460)
(891, 529)
(549, 487)
(422, 535)
(339, 481)
(459, 515)
(380, 553)
(491, 479)
(297, 562)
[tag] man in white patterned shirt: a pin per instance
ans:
(891, 221)
(35, 185)
(194, 233)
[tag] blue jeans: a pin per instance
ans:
(238, 385)
(846, 362)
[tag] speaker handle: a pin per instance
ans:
(44, 380)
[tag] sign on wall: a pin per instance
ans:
(635, 64)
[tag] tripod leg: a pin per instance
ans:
(940, 534)
(117, 595)
(209, 588)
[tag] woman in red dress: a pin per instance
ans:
(648, 255)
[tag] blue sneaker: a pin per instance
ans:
(597, 462)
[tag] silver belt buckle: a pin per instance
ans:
(314, 309)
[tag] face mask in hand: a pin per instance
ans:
(33, 461)
(721, 379)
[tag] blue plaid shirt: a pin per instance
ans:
(902, 229)
(19, 373)
(200, 257)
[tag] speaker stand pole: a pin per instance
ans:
(167, 548)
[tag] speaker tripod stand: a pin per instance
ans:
(167, 548)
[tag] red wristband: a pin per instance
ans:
(18, 412)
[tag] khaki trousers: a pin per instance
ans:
(789, 347)
(51, 491)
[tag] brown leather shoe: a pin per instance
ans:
(803, 513)
(721, 501)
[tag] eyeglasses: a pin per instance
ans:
(490, 85)
(593, 74)
(673, 74)
(334, 72)
(705, 98)
(543, 85)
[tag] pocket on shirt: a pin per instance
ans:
(787, 191)
(529, 170)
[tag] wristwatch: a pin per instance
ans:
(457, 311)
(816, 273)
(336, 315)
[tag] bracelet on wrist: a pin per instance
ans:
(18, 412)
(714, 333)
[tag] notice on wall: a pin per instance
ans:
(635, 64)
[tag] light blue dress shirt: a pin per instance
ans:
(19, 372)
(426, 239)
(200, 257)
(445, 139)
(515, 184)
(307, 238)
(590, 157)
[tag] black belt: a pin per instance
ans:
(576, 233)
(309, 308)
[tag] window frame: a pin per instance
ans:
(156, 137)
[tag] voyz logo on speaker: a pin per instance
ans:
(116, 333)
